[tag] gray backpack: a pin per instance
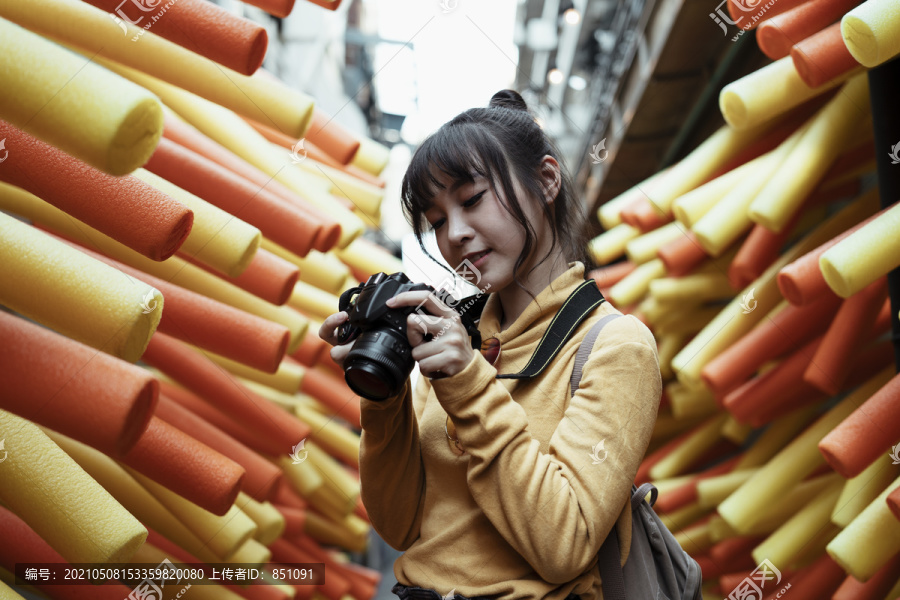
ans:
(657, 567)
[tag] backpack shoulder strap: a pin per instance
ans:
(584, 351)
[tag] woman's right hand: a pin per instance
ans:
(328, 332)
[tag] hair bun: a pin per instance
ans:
(508, 99)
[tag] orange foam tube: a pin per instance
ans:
(875, 588)
(644, 215)
(776, 36)
(361, 585)
(187, 467)
(779, 386)
(189, 137)
(72, 388)
(268, 276)
(767, 341)
(26, 546)
(831, 363)
(802, 281)
(218, 387)
(736, 12)
(333, 393)
(294, 519)
(278, 220)
(763, 246)
(311, 349)
(814, 582)
(682, 255)
(314, 152)
(238, 430)
(261, 475)
(286, 496)
(822, 57)
(687, 493)
(866, 434)
(331, 137)
(612, 274)
(335, 585)
(276, 8)
(203, 28)
(327, 4)
(124, 208)
(213, 325)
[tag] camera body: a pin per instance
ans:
(381, 359)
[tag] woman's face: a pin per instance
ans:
(471, 223)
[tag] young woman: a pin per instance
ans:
(504, 488)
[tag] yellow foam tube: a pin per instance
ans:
(368, 258)
(80, 297)
(89, 28)
(643, 248)
(735, 431)
(676, 461)
(767, 93)
(304, 478)
(630, 289)
(701, 163)
(822, 140)
(688, 322)
(233, 132)
(7, 593)
(870, 540)
(681, 518)
(788, 505)
(250, 552)
(871, 32)
(732, 323)
(217, 239)
(313, 301)
(137, 500)
(321, 269)
(894, 593)
(335, 476)
(336, 439)
(152, 556)
(611, 244)
(665, 486)
(41, 484)
(609, 214)
(697, 287)
(364, 196)
(335, 533)
(696, 539)
(223, 534)
(863, 256)
(786, 542)
(859, 491)
(173, 269)
(269, 522)
(715, 489)
(669, 346)
(729, 218)
(775, 437)
(286, 378)
(371, 156)
(75, 105)
(797, 460)
(690, 207)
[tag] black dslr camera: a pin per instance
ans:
(381, 359)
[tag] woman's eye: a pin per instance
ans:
(437, 224)
(474, 199)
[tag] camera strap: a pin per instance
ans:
(574, 310)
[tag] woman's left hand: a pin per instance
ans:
(449, 349)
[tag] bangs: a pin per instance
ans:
(456, 152)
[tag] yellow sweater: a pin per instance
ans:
(523, 513)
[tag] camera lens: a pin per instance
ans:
(378, 364)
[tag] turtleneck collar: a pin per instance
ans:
(528, 328)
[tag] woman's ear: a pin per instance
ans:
(551, 178)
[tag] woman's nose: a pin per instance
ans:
(459, 230)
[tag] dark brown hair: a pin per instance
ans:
(495, 142)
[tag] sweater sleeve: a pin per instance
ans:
(556, 508)
(392, 477)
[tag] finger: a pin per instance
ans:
(418, 326)
(327, 331)
(422, 300)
